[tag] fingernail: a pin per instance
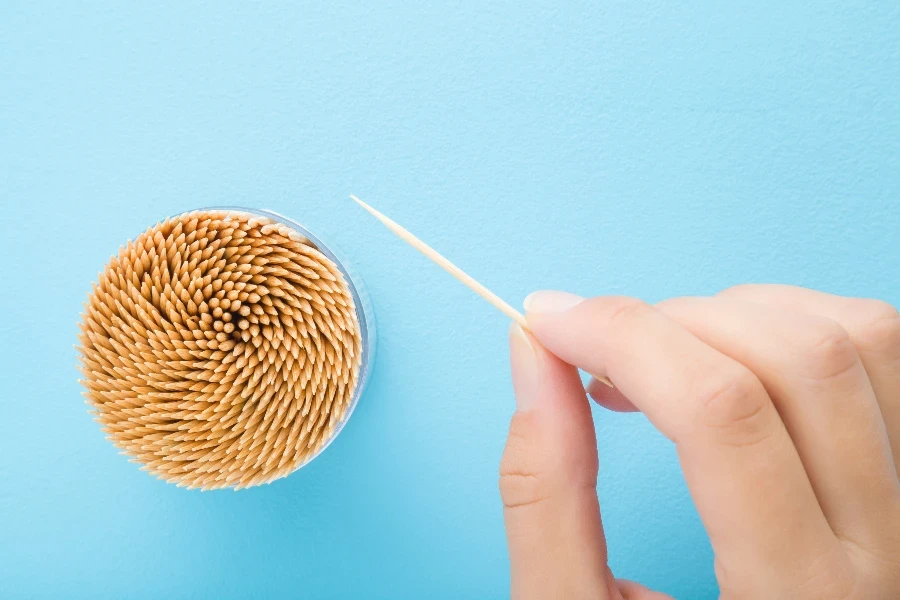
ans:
(547, 301)
(524, 364)
(597, 386)
(600, 379)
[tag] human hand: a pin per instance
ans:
(784, 407)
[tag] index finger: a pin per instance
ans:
(740, 464)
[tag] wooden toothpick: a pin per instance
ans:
(448, 266)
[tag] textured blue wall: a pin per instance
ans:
(648, 148)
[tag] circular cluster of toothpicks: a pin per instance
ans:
(220, 349)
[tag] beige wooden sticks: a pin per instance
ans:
(220, 349)
(448, 266)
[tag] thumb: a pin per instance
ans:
(548, 482)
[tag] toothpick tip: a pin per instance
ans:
(361, 203)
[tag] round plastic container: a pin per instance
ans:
(173, 396)
(364, 312)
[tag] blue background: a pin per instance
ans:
(648, 148)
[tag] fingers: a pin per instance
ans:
(873, 327)
(635, 591)
(742, 469)
(548, 480)
(819, 386)
(609, 397)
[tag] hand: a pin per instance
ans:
(784, 407)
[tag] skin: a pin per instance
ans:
(783, 404)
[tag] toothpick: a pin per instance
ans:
(448, 266)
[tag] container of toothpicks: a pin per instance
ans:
(225, 347)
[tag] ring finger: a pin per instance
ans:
(873, 326)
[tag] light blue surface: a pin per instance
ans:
(648, 148)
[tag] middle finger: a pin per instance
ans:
(819, 386)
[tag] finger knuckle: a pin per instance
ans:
(879, 326)
(518, 490)
(522, 479)
(735, 405)
(829, 352)
(623, 310)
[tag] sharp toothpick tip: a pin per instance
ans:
(458, 273)
(448, 266)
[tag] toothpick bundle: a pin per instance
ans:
(220, 349)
